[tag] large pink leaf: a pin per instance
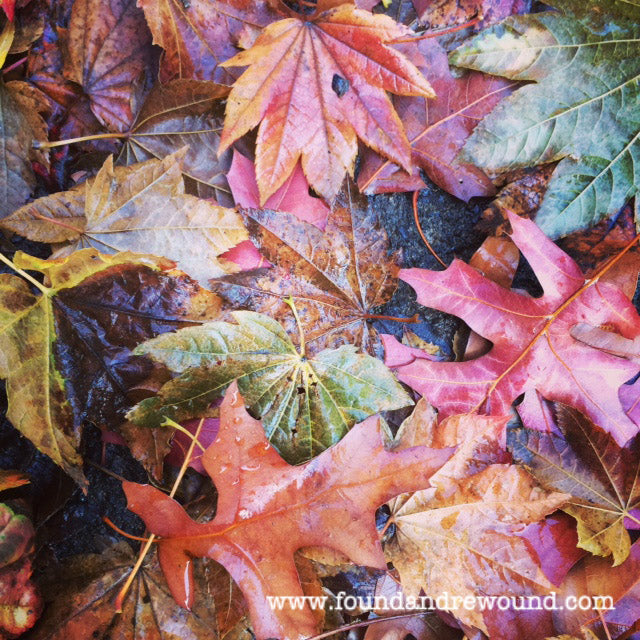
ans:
(532, 344)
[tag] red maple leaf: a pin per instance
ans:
(532, 343)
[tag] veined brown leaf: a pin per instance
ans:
(603, 479)
(184, 113)
(336, 277)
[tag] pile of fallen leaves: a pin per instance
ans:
(199, 305)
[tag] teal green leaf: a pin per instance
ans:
(583, 110)
(306, 404)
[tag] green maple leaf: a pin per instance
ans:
(584, 108)
(306, 404)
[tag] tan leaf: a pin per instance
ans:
(468, 527)
(142, 208)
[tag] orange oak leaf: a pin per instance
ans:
(268, 509)
(437, 130)
(317, 85)
(533, 347)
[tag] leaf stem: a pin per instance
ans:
(143, 552)
(374, 316)
(387, 524)
(15, 65)
(632, 518)
(57, 222)
(424, 239)
(117, 529)
(61, 143)
(292, 304)
(168, 422)
(604, 624)
(45, 290)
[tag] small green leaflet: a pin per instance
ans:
(306, 404)
(584, 108)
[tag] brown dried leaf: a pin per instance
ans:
(81, 596)
(335, 277)
(184, 113)
(141, 208)
(580, 459)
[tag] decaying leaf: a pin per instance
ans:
(590, 125)
(20, 603)
(437, 130)
(142, 208)
(268, 509)
(336, 277)
(184, 113)
(306, 403)
(199, 35)
(578, 458)
(17, 179)
(96, 309)
(109, 47)
(317, 85)
(532, 344)
(81, 596)
(446, 13)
